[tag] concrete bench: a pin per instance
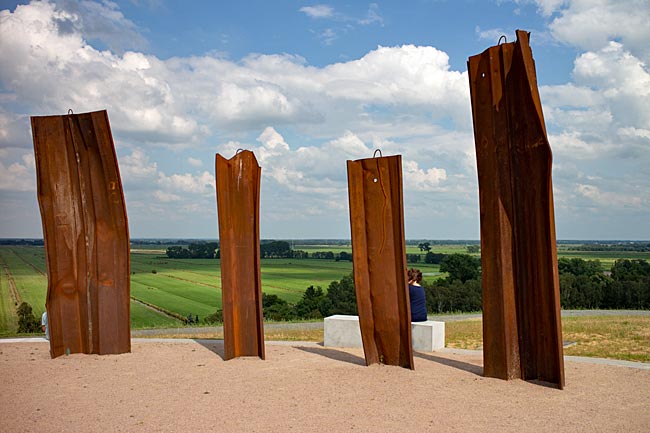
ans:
(344, 331)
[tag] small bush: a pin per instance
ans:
(27, 323)
(214, 319)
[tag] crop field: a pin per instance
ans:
(160, 285)
(606, 258)
(164, 289)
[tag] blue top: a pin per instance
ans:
(418, 303)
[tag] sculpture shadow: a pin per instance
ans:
(465, 366)
(214, 346)
(334, 354)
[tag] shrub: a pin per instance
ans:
(216, 318)
(27, 323)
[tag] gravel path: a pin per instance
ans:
(174, 386)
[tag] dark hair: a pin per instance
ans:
(415, 275)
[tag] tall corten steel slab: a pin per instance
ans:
(522, 336)
(379, 259)
(86, 234)
(238, 203)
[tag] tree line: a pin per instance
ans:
(340, 298)
(622, 246)
(584, 285)
(268, 250)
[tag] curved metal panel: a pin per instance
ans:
(86, 234)
(379, 259)
(238, 203)
(521, 312)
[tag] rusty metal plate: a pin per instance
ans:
(238, 203)
(86, 234)
(522, 334)
(379, 259)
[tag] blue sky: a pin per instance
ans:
(309, 85)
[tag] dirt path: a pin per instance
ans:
(187, 386)
(15, 294)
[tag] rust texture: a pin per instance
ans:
(379, 259)
(522, 335)
(86, 234)
(238, 203)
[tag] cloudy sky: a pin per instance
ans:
(307, 86)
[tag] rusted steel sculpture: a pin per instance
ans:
(522, 336)
(86, 234)
(379, 259)
(238, 203)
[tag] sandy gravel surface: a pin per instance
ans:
(302, 387)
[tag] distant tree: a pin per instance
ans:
(214, 318)
(309, 306)
(340, 298)
(424, 246)
(27, 323)
(178, 252)
(413, 258)
(343, 255)
(630, 285)
(198, 250)
(280, 312)
(445, 296)
(329, 255)
(270, 300)
(275, 250)
(299, 254)
(277, 309)
(577, 266)
(434, 258)
(630, 270)
(203, 250)
(461, 267)
(472, 249)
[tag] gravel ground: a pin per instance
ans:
(185, 385)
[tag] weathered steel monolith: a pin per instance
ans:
(379, 259)
(522, 336)
(86, 234)
(238, 203)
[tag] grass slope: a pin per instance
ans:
(144, 317)
(8, 317)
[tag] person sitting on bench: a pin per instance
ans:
(417, 296)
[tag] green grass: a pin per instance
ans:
(144, 317)
(614, 337)
(31, 285)
(617, 337)
(606, 258)
(173, 299)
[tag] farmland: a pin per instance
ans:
(180, 286)
(193, 286)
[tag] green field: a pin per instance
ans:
(606, 258)
(193, 286)
(180, 286)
